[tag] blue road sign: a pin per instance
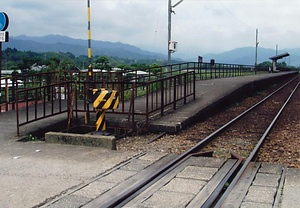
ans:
(3, 21)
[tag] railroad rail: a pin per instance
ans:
(256, 114)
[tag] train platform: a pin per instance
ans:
(35, 174)
(211, 96)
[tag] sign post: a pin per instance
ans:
(4, 21)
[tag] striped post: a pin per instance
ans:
(100, 120)
(90, 68)
(103, 100)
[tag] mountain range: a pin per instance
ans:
(246, 55)
(58, 43)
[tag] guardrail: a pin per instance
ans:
(10, 84)
(138, 100)
(202, 71)
(42, 102)
(159, 89)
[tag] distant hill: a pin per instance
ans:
(58, 43)
(246, 55)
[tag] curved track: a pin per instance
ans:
(255, 123)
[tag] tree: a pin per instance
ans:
(53, 64)
(265, 64)
(155, 69)
(66, 64)
(102, 62)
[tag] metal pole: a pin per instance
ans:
(90, 68)
(169, 25)
(169, 29)
(256, 46)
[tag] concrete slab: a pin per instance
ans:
(263, 179)
(136, 165)
(94, 189)
(291, 189)
(208, 162)
(254, 204)
(152, 156)
(70, 202)
(261, 194)
(166, 199)
(43, 171)
(108, 142)
(292, 177)
(271, 168)
(118, 176)
(199, 173)
(183, 185)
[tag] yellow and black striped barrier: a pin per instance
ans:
(103, 100)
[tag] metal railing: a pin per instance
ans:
(143, 96)
(42, 102)
(202, 70)
(140, 100)
(9, 86)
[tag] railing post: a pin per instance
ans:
(132, 100)
(185, 87)
(17, 114)
(13, 94)
(162, 98)
(147, 104)
(175, 91)
(200, 68)
(194, 85)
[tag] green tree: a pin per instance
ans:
(155, 69)
(102, 62)
(265, 64)
(66, 64)
(53, 64)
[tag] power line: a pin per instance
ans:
(235, 17)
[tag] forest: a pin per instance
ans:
(12, 59)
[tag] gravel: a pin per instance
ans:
(282, 145)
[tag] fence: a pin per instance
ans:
(143, 94)
(139, 99)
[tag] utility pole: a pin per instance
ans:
(170, 10)
(90, 67)
(169, 29)
(256, 47)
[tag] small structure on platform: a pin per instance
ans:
(275, 58)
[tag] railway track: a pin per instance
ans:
(245, 132)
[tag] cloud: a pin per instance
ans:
(199, 26)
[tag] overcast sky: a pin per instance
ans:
(199, 26)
